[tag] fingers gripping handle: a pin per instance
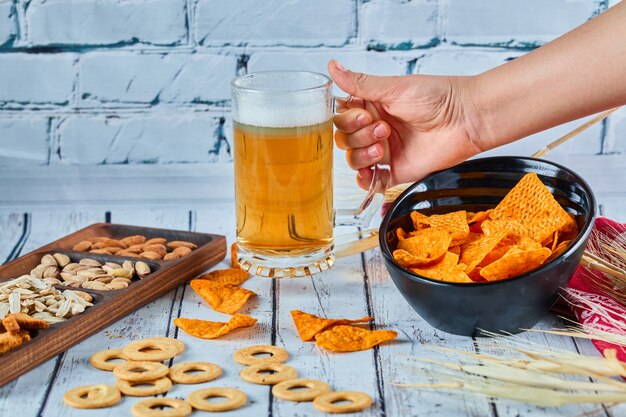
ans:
(362, 215)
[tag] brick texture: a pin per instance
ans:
(106, 22)
(37, 78)
(128, 78)
(275, 22)
(23, 141)
(400, 25)
(90, 82)
(7, 22)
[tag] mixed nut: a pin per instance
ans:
(41, 300)
(137, 246)
(58, 269)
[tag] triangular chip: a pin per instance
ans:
(424, 247)
(455, 223)
(309, 325)
(531, 203)
(515, 262)
(350, 338)
(223, 298)
(230, 276)
(473, 253)
(420, 221)
(212, 329)
(511, 227)
(447, 269)
(478, 217)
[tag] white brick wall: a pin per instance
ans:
(274, 22)
(24, 141)
(86, 82)
(7, 22)
(106, 22)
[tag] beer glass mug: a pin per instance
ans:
(283, 154)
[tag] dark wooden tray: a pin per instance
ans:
(109, 306)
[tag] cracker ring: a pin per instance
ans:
(245, 356)
(179, 345)
(255, 373)
(284, 390)
(146, 408)
(82, 397)
(100, 360)
(160, 350)
(359, 401)
(208, 372)
(234, 399)
(140, 371)
(158, 386)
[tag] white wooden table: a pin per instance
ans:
(355, 287)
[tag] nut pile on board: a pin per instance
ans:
(137, 246)
(58, 269)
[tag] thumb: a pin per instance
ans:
(368, 87)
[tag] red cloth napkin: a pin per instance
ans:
(580, 287)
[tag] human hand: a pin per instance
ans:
(416, 124)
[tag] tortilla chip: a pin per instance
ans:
(234, 260)
(10, 341)
(473, 253)
(447, 269)
(350, 338)
(29, 323)
(10, 325)
(455, 223)
(223, 298)
(515, 262)
(309, 325)
(213, 329)
(426, 246)
(531, 203)
(511, 227)
(401, 234)
(478, 217)
(231, 276)
(420, 221)
(560, 248)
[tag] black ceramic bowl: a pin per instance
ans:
(508, 305)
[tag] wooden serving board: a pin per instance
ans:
(109, 306)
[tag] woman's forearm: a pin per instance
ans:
(581, 73)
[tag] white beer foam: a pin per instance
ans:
(283, 110)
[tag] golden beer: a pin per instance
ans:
(283, 186)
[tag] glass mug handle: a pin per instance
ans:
(362, 215)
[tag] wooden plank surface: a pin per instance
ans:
(151, 320)
(14, 231)
(26, 396)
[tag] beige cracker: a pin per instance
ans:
(100, 360)
(133, 388)
(176, 408)
(159, 350)
(140, 371)
(246, 356)
(179, 345)
(208, 372)
(285, 389)
(234, 399)
(102, 396)
(358, 401)
(255, 373)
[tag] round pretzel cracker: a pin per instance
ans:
(246, 355)
(100, 360)
(234, 399)
(256, 373)
(140, 371)
(208, 372)
(358, 401)
(133, 388)
(156, 350)
(175, 408)
(179, 345)
(92, 396)
(285, 390)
